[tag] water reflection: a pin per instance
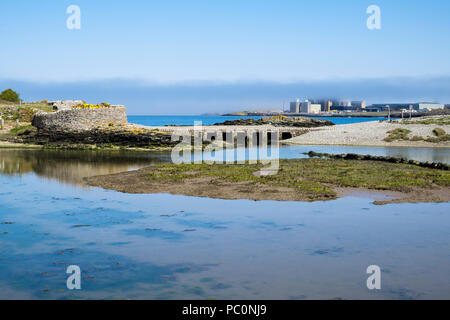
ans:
(69, 166)
(72, 166)
(295, 152)
(163, 246)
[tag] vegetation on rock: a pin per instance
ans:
(397, 134)
(444, 120)
(92, 106)
(403, 134)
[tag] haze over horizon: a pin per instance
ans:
(195, 98)
(179, 57)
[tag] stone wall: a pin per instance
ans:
(80, 119)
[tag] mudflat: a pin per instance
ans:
(296, 180)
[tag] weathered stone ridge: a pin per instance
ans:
(65, 104)
(277, 121)
(80, 119)
(103, 137)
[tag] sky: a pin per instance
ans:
(191, 56)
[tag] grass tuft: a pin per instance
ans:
(397, 134)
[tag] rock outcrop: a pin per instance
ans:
(87, 126)
(367, 157)
(125, 136)
(277, 121)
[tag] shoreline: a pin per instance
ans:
(416, 133)
(5, 145)
(392, 145)
(373, 134)
(9, 145)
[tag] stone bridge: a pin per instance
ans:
(223, 132)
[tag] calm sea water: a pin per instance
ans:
(210, 120)
(289, 152)
(175, 247)
(295, 152)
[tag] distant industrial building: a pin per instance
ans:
(325, 104)
(430, 106)
(305, 107)
(342, 103)
(348, 106)
(421, 106)
(328, 105)
(295, 106)
(308, 107)
(358, 104)
(376, 108)
(392, 106)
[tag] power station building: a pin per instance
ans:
(295, 106)
(305, 107)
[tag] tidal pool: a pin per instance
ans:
(175, 247)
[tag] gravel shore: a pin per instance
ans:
(369, 134)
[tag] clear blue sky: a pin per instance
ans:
(190, 41)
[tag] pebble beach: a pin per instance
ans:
(369, 134)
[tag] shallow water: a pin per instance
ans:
(175, 247)
(67, 166)
(210, 120)
(294, 152)
(72, 166)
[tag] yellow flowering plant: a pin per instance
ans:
(92, 106)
